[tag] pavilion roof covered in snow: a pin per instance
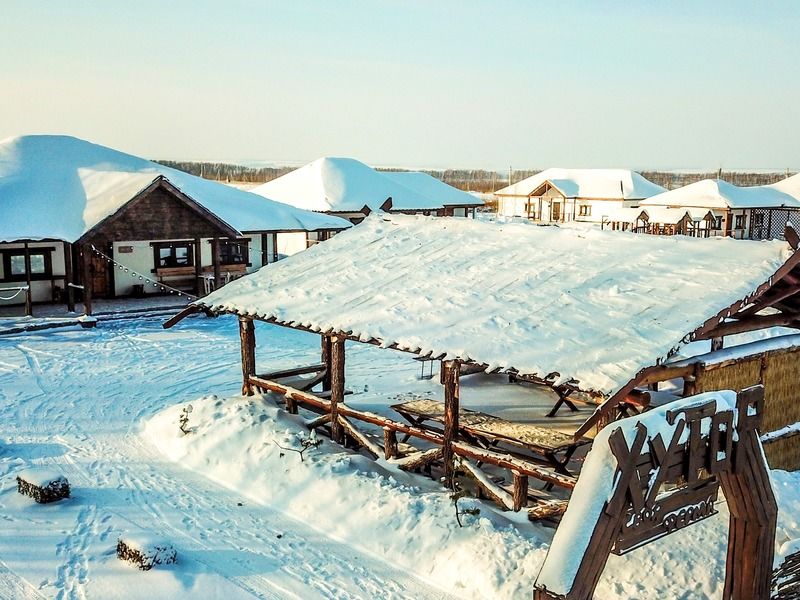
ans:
(587, 183)
(592, 310)
(716, 193)
(433, 188)
(60, 187)
(332, 184)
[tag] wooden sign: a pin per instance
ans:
(125, 249)
(665, 468)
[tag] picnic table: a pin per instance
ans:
(554, 447)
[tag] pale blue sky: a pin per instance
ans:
(414, 83)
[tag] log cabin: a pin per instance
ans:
(83, 218)
(601, 319)
(559, 195)
(755, 212)
(348, 188)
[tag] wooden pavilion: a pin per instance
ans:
(623, 308)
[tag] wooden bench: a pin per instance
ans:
(488, 431)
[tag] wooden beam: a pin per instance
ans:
(337, 386)
(189, 310)
(198, 268)
(69, 277)
(215, 261)
(247, 340)
(753, 323)
(86, 254)
(451, 370)
(766, 302)
(29, 292)
(325, 353)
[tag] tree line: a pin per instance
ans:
(474, 180)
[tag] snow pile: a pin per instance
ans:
(582, 304)
(42, 477)
(587, 183)
(343, 185)
(406, 520)
(790, 185)
(60, 187)
(716, 193)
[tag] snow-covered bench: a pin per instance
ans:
(145, 551)
(42, 484)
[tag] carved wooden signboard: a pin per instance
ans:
(651, 475)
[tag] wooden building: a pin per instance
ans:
(348, 188)
(755, 213)
(661, 220)
(559, 195)
(598, 318)
(81, 219)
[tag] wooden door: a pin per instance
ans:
(98, 267)
(555, 213)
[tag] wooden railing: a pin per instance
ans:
(520, 468)
(16, 291)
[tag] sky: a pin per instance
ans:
(669, 85)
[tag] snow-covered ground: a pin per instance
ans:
(101, 407)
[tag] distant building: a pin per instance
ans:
(73, 213)
(559, 195)
(755, 212)
(348, 188)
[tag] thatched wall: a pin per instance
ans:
(779, 371)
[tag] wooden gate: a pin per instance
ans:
(98, 274)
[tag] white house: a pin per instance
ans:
(72, 211)
(348, 188)
(558, 195)
(754, 212)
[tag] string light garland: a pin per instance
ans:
(136, 275)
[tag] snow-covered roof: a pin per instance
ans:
(790, 185)
(595, 306)
(587, 183)
(719, 194)
(332, 184)
(431, 187)
(60, 187)
(623, 214)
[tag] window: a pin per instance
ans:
(41, 264)
(758, 219)
(739, 222)
(233, 252)
(718, 222)
(585, 210)
(173, 254)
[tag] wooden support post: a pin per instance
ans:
(390, 449)
(520, 499)
(326, 360)
(28, 293)
(68, 277)
(215, 260)
(451, 370)
(198, 268)
(86, 278)
(247, 338)
(337, 386)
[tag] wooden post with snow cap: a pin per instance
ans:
(215, 261)
(247, 338)
(337, 385)
(451, 370)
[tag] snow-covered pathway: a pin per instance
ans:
(75, 399)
